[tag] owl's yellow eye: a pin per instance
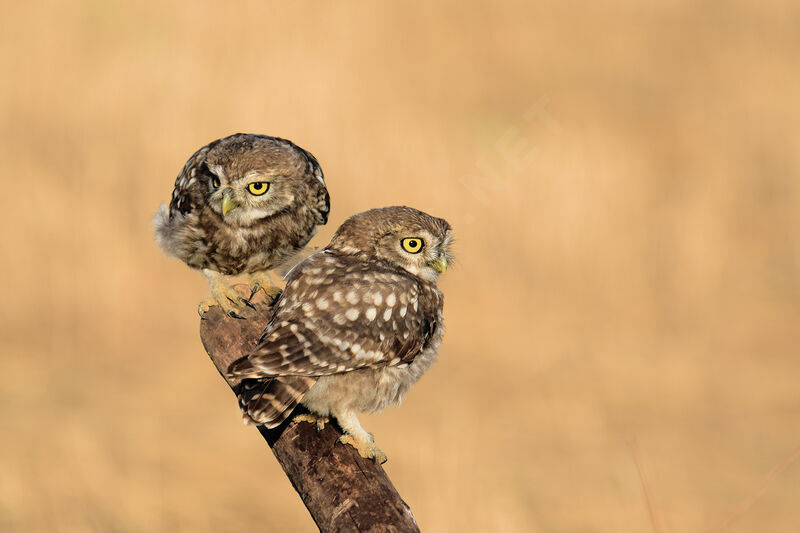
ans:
(258, 187)
(215, 182)
(412, 245)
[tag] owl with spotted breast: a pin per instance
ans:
(357, 325)
(243, 204)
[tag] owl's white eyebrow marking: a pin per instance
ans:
(217, 171)
(254, 174)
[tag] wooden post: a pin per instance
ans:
(342, 490)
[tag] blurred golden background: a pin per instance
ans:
(623, 322)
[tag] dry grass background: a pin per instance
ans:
(624, 184)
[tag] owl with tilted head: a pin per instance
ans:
(243, 204)
(357, 325)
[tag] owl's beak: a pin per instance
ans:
(228, 204)
(439, 264)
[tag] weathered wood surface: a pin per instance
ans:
(342, 490)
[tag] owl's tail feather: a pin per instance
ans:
(270, 402)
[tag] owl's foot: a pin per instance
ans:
(262, 280)
(366, 448)
(311, 418)
(355, 436)
(223, 295)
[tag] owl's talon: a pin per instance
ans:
(365, 448)
(223, 295)
(253, 291)
(311, 418)
(275, 298)
(247, 303)
(261, 281)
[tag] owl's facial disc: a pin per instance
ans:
(420, 252)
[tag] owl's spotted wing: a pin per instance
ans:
(337, 315)
(187, 195)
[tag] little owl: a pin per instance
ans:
(242, 205)
(357, 325)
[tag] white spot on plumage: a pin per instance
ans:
(371, 313)
(293, 328)
(307, 307)
(322, 303)
(387, 314)
(351, 314)
(391, 300)
(352, 297)
(340, 319)
(403, 311)
(337, 297)
(377, 298)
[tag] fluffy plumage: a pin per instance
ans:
(242, 205)
(357, 324)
